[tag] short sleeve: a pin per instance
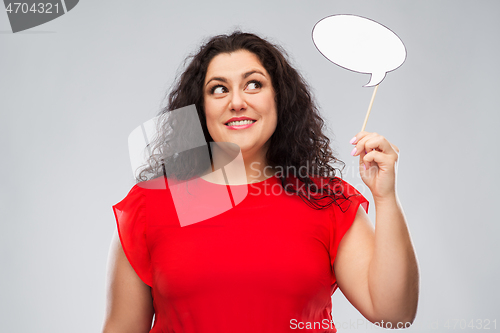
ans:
(344, 212)
(130, 215)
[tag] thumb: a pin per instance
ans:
(362, 165)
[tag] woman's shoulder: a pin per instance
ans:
(333, 182)
(340, 190)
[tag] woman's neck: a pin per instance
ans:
(242, 169)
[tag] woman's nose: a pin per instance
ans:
(237, 101)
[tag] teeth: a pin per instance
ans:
(241, 122)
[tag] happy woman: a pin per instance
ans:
(271, 262)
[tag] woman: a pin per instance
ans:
(271, 262)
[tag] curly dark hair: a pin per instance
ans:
(298, 142)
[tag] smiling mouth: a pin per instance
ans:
(240, 122)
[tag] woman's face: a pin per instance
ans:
(238, 86)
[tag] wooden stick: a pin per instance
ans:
(370, 107)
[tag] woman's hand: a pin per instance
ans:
(377, 163)
(377, 270)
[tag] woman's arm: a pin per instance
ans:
(129, 305)
(377, 269)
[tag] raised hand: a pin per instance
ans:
(377, 163)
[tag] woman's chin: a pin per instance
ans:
(245, 147)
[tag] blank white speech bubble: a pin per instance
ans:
(360, 45)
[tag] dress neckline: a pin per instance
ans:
(256, 183)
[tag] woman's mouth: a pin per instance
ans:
(241, 124)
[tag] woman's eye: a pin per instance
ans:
(218, 90)
(254, 85)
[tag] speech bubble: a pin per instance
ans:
(360, 45)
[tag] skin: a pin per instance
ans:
(129, 304)
(376, 268)
(237, 85)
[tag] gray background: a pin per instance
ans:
(74, 88)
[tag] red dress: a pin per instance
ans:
(264, 264)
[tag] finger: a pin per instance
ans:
(382, 159)
(362, 164)
(360, 145)
(379, 143)
(358, 137)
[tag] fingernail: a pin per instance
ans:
(352, 140)
(353, 152)
(364, 165)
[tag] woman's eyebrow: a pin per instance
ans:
(247, 74)
(217, 79)
(244, 75)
